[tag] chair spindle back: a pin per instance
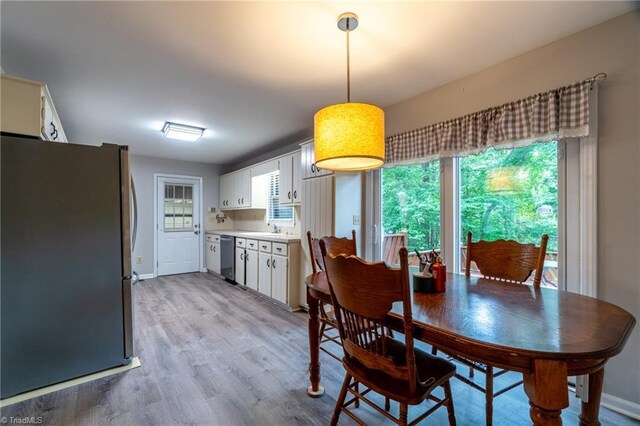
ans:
(507, 260)
(363, 294)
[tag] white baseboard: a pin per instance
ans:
(619, 405)
(135, 362)
(147, 276)
(622, 406)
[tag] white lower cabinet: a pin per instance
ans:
(264, 273)
(251, 267)
(240, 265)
(212, 258)
(279, 269)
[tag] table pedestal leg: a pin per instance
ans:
(546, 387)
(315, 390)
(591, 409)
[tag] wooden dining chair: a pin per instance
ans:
(363, 294)
(328, 327)
(507, 261)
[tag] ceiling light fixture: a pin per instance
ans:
(349, 136)
(182, 132)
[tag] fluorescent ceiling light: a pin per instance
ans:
(182, 132)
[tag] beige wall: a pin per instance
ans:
(612, 47)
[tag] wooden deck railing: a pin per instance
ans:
(392, 243)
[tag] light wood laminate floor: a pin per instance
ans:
(214, 354)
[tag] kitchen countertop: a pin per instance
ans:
(264, 236)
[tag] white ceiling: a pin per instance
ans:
(255, 73)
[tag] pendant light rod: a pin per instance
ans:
(348, 66)
(348, 22)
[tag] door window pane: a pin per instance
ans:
(178, 207)
(410, 210)
(512, 194)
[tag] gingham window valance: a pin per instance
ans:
(558, 114)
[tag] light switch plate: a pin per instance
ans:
(356, 219)
(139, 260)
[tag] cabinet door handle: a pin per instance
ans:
(295, 195)
(268, 263)
(213, 248)
(238, 200)
(243, 201)
(313, 168)
(241, 256)
(289, 195)
(273, 263)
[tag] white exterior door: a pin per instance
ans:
(178, 212)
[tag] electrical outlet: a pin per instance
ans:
(356, 219)
(139, 260)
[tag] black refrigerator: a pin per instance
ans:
(66, 286)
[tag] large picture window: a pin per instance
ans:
(511, 194)
(507, 194)
(411, 208)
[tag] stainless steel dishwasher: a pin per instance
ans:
(227, 258)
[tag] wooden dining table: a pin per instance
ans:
(545, 334)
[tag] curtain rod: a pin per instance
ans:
(598, 78)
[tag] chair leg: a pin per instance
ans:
(321, 332)
(387, 403)
(357, 389)
(449, 398)
(340, 400)
(404, 408)
(489, 395)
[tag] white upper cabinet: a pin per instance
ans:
(239, 190)
(297, 179)
(308, 165)
(225, 191)
(27, 109)
(290, 180)
(242, 188)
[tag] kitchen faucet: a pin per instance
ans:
(276, 229)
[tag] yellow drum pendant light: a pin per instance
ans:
(349, 136)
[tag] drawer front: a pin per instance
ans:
(241, 242)
(279, 248)
(213, 238)
(265, 246)
(210, 238)
(252, 244)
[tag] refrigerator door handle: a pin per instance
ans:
(134, 231)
